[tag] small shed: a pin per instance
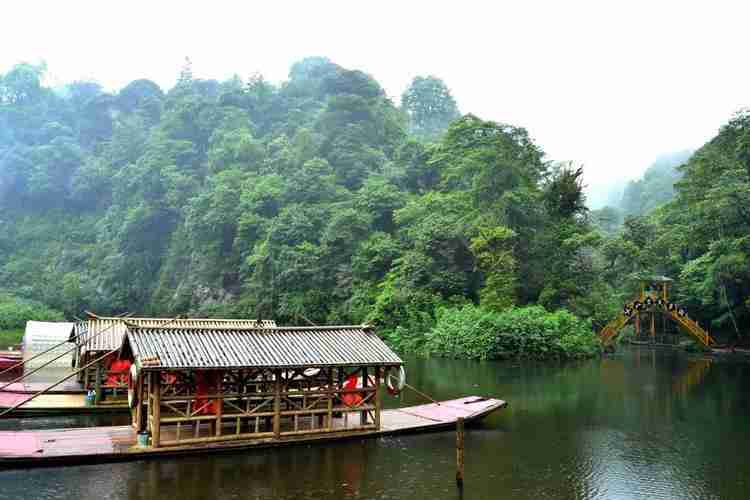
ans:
(203, 385)
(101, 335)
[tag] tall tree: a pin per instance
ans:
(430, 106)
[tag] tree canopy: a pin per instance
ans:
(318, 199)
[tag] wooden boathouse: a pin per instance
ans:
(99, 338)
(196, 385)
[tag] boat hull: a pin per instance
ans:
(99, 444)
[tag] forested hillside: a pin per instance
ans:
(640, 196)
(701, 238)
(322, 200)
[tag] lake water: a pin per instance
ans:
(643, 424)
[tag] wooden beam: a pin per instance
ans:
(363, 415)
(277, 405)
(329, 426)
(377, 397)
(98, 383)
(156, 423)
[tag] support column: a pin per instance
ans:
(277, 404)
(219, 405)
(363, 413)
(98, 382)
(156, 416)
(331, 396)
(138, 410)
(377, 396)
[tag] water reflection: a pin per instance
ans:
(642, 424)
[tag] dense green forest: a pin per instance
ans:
(322, 200)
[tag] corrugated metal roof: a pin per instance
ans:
(106, 334)
(177, 348)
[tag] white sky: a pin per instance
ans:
(606, 84)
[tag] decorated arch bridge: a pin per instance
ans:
(652, 302)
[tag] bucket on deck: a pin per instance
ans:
(143, 438)
(91, 398)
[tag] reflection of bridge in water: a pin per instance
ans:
(652, 301)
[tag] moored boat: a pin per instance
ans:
(193, 390)
(93, 344)
(9, 359)
(26, 449)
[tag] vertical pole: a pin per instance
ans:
(330, 398)
(98, 382)
(277, 404)
(218, 402)
(363, 413)
(138, 410)
(377, 397)
(149, 403)
(156, 426)
(460, 452)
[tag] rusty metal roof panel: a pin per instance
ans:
(106, 334)
(281, 347)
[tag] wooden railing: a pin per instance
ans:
(609, 332)
(275, 407)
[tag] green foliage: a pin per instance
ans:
(493, 251)
(313, 200)
(15, 312)
(430, 106)
(527, 332)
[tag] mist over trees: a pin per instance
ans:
(319, 199)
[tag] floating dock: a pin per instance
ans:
(100, 444)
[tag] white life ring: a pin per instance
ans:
(132, 384)
(397, 386)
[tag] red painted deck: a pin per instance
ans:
(61, 446)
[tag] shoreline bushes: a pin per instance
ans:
(473, 332)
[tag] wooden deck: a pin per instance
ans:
(98, 444)
(57, 404)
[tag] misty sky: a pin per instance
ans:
(606, 84)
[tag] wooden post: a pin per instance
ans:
(156, 418)
(363, 414)
(277, 405)
(98, 383)
(219, 404)
(138, 411)
(331, 397)
(377, 397)
(460, 452)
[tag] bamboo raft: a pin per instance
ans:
(110, 444)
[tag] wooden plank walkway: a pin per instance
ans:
(97, 444)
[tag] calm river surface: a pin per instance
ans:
(643, 424)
